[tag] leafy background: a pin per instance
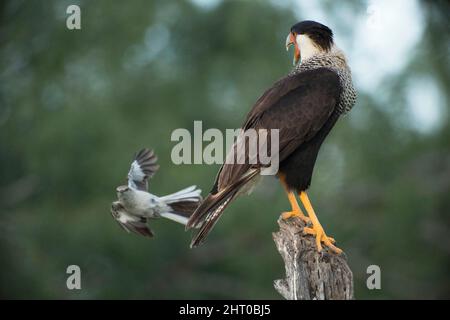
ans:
(75, 106)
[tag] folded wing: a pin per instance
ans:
(298, 106)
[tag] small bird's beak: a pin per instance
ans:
(290, 40)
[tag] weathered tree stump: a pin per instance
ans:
(310, 275)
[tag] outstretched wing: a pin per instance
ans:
(129, 222)
(143, 167)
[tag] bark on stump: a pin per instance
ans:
(310, 275)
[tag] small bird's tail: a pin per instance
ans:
(209, 212)
(182, 204)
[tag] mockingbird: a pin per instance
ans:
(136, 205)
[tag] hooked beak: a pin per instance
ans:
(290, 40)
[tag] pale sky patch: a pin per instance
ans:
(385, 40)
(206, 4)
(426, 105)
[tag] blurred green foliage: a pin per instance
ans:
(75, 106)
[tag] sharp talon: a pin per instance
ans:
(317, 229)
(321, 237)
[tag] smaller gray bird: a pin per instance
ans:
(136, 205)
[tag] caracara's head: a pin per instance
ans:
(309, 38)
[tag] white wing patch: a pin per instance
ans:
(135, 174)
(144, 166)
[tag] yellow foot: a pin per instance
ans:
(320, 235)
(297, 214)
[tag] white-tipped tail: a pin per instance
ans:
(188, 194)
(182, 204)
(175, 217)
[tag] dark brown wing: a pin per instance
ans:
(143, 167)
(298, 106)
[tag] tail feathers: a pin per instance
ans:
(209, 204)
(185, 208)
(181, 211)
(191, 194)
(210, 221)
(209, 212)
(182, 204)
(175, 216)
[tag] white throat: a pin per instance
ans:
(307, 47)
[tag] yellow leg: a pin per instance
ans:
(296, 211)
(317, 229)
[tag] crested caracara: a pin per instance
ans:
(303, 106)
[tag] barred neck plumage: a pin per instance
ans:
(336, 61)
